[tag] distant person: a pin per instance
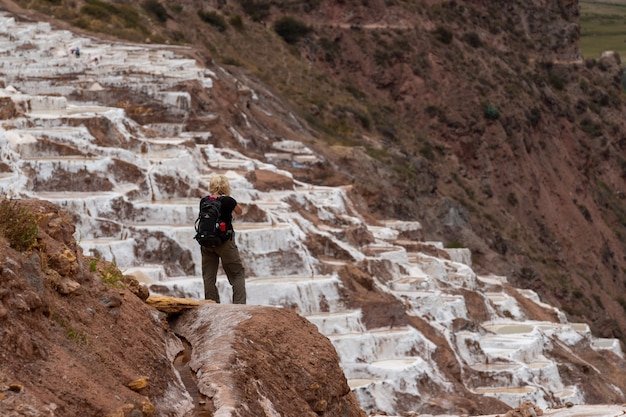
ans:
(227, 251)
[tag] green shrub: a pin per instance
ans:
(17, 225)
(237, 22)
(590, 62)
(473, 39)
(214, 19)
(229, 60)
(103, 11)
(112, 276)
(454, 245)
(356, 92)
(534, 117)
(96, 11)
(176, 7)
(177, 36)
(332, 50)
(556, 81)
(591, 128)
(585, 212)
(71, 333)
(257, 10)
(491, 112)
(443, 35)
(155, 8)
(290, 29)
(426, 150)
(93, 264)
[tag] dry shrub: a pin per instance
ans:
(17, 225)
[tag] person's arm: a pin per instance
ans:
(237, 209)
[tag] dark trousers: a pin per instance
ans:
(231, 262)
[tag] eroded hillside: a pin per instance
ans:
(415, 328)
(479, 119)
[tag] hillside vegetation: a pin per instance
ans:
(479, 119)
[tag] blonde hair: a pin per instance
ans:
(219, 185)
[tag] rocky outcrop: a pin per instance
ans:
(252, 361)
(70, 334)
(95, 348)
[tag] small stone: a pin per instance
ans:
(148, 409)
(321, 406)
(16, 388)
(67, 286)
(138, 384)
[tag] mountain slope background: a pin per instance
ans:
(479, 119)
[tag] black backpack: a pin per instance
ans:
(211, 230)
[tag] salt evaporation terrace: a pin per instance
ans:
(135, 217)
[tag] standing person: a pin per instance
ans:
(227, 251)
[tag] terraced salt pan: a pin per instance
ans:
(412, 284)
(571, 333)
(119, 251)
(404, 386)
(361, 382)
(517, 395)
(431, 266)
(400, 342)
(170, 130)
(390, 252)
(609, 344)
(391, 371)
(491, 279)
(78, 199)
(307, 295)
(332, 323)
(436, 305)
(22, 139)
(147, 274)
(513, 328)
(380, 364)
(522, 348)
(497, 297)
(84, 160)
(166, 141)
(514, 374)
(191, 287)
(508, 368)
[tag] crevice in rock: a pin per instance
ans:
(203, 406)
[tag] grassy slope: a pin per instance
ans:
(603, 27)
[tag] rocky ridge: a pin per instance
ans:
(397, 309)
